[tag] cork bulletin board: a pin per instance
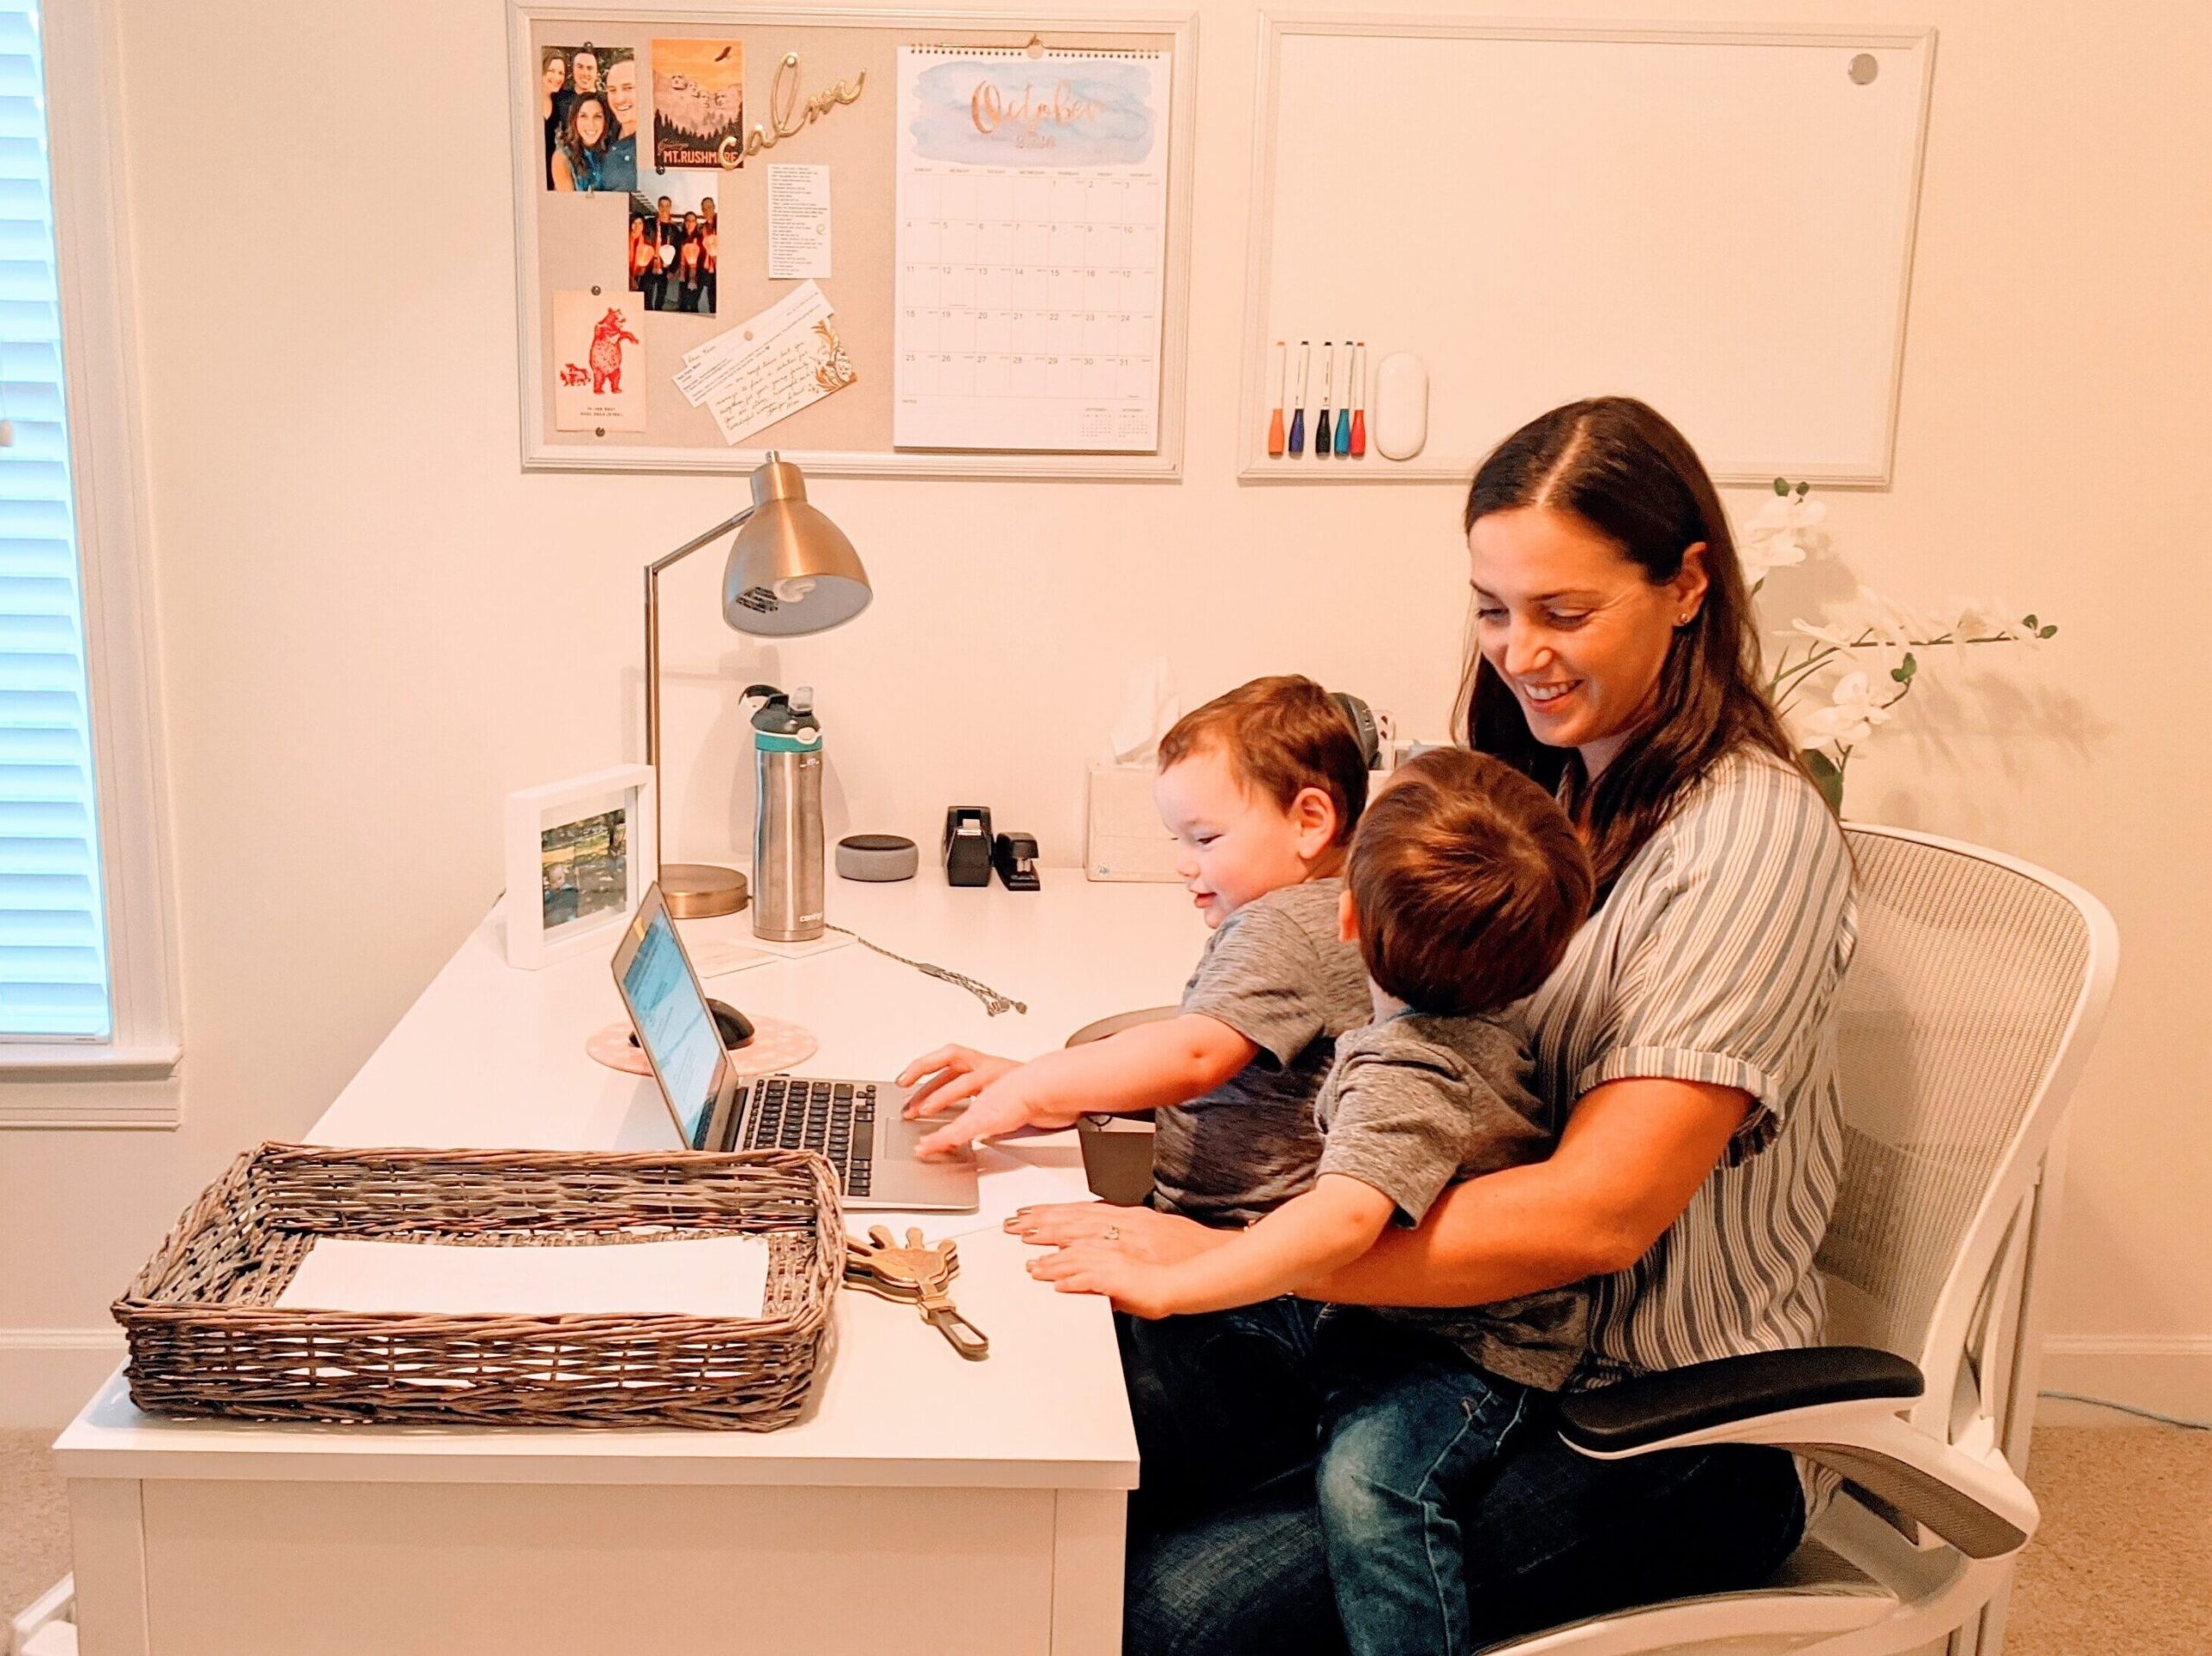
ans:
(837, 109)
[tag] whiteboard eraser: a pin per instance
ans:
(1400, 406)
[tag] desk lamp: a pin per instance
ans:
(791, 571)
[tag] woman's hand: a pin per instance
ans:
(1144, 1234)
(949, 1075)
(1133, 1284)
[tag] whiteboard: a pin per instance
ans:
(1717, 220)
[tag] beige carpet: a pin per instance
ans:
(2123, 1562)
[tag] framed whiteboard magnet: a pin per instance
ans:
(1400, 406)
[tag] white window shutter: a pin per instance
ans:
(54, 951)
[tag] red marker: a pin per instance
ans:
(1358, 393)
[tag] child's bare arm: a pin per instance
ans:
(1326, 1228)
(1170, 1061)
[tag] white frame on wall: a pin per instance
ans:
(1254, 464)
(1165, 464)
(93, 271)
(529, 944)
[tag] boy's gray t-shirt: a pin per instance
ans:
(1415, 1103)
(1276, 972)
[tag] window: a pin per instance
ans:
(87, 963)
(54, 980)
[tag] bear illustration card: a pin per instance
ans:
(599, 364)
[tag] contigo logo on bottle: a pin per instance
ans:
(809, 761)
(809, 919)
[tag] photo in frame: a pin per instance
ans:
(579, 858)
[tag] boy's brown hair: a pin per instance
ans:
(1468, 882)
(1283, 734)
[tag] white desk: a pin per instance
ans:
(923, 1504)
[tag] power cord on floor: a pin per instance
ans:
(2129, 1408)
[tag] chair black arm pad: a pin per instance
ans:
(1652, 1408)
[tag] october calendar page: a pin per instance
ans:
(1032, 201)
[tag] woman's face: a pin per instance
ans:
(556, 74)
(1572, 626)
(591, 124)
(622, 92)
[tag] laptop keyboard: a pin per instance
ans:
(837, 1118)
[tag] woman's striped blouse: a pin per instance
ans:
(1716, 959)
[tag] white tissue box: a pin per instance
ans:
(1125, 838)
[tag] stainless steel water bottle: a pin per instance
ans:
(787, 855)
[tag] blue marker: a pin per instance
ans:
(1351, 384)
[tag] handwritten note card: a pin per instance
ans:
(799, 221)
(769, 366)
(1031, 241)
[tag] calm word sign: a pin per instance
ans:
(784, 109)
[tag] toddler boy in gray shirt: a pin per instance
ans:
(1464, 884)
(1262, 788)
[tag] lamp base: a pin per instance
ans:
(695, 891)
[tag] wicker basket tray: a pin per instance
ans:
(207, 1338)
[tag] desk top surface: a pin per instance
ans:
(490, 1055)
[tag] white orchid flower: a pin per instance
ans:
(2014, 627)
(1851, 715)
(1783, 533)
(1820, 633)
(1898, 624)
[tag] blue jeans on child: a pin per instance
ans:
(1411, 1429)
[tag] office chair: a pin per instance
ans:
(1965, 1019)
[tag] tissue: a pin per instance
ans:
(1125, 838)
(1149, 710)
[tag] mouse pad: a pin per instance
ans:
(775, 1044)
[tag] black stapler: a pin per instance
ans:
(967, 845)
(1014, 855)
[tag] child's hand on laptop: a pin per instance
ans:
(1006, 1104)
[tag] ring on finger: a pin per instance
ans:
(1113, 1234)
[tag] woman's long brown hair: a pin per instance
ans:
(1624, 470)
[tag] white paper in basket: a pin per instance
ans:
(707, 1276)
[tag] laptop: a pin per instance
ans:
(856, 1124)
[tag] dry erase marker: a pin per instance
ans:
(1321, 423)
(1359, 400)
(1297, 413)
(1282, 384)
(1351, 396)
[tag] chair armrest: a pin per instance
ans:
(1639, 1414)
(1836, 1405)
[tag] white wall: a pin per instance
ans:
(373, 625)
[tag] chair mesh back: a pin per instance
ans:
(1952, 1014)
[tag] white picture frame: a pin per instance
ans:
(579, 857)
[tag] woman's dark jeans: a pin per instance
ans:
(1555, 1536)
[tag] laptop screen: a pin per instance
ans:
(672, 1023)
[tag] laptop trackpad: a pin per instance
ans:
(902, 1179)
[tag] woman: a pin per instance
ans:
(553, 97)
(1688, 1037)
(583, 144)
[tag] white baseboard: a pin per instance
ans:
(2171, 1373)
(46, 1375)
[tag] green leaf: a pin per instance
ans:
(2030, 621)
(1782, 485)
(1826, 777)
(1908, 667)
(2048, 631)
(1900, 675)
(1804, 489)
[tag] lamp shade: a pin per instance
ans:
(791, 570)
